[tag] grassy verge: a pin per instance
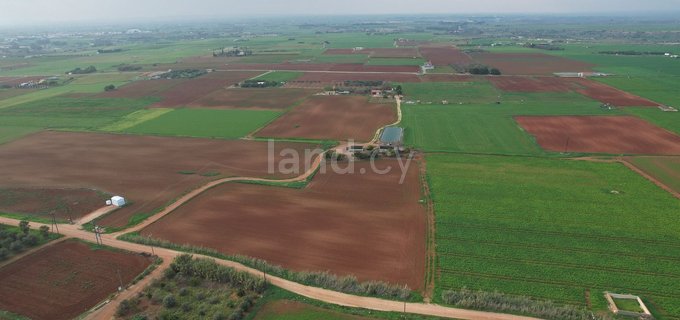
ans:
(315, 309)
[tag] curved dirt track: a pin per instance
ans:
(324, 295)
(185, 198)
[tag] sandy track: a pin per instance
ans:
(328, 296)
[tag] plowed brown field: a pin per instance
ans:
(63, 280)
(346, 67)
(260, 98)
(332, 117)
(600, 134)
(445, 56)
(179, 92)
(149, 171)
(367, 225)
(586, 87)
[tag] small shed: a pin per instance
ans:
(118, 201)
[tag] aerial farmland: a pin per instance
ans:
(444, 165)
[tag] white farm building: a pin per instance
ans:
(118, 201)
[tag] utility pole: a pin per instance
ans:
(151, 244)
(54, 222)
(566, 145)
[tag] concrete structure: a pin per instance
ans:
(118, 201)
(392, 137)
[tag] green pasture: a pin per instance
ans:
(488, 128)
(479, 91)
(554, 229)
(279, 76)
(70, 113)
(662, 89)
(9, 133)
(665, 169)
(206, 123)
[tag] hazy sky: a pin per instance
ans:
(15, 12)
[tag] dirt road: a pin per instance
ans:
(107, 310)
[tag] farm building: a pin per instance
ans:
(376, 93)
(118, 201)
(392, 137)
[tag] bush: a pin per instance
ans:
(110, 88)
(16, 246)
(4, 253)
(124, 308)
(29, 240)
(496, 301)
(24, 226)
(45, 231)
(169, 301)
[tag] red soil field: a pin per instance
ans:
(530, 63)
(367, 225)
(188, 91)
(179, 92)
(586, 87)
(347, 67)
(260, 98)
(379, 52)
(63, 280)
(321, 79)
(607, 94)
(445, 56)
(332, 117)
(67, 203)
(144, 169)
(600, 134)
(434, 77)
(15, 81)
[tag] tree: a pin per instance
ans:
(24, 226)
(399, 90)
(110, 88)
(45, 231)
(495, 72)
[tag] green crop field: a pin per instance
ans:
(667, 120)
(9, 133)
(480, 91)
(206, 123)
(665, 169)
(662, 89)
(279, 76)
(341, 58)
(135, 118)
(75, 113)
(487, 128)
(554, 229)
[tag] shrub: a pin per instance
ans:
(124, 308)
(4, 253)
(45, 231)
(110, 88)
(24, 226)
(496, 301)
(169, 301)
(16, 246)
